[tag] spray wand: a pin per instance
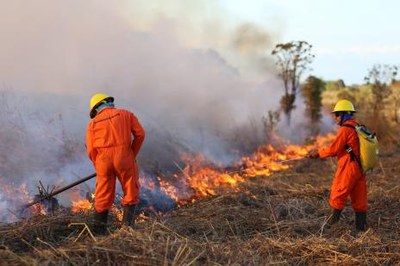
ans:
(292, 159)
(277, 161)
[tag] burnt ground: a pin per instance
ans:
(274, 219)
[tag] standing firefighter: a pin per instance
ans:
(113, 153)
(349, 178)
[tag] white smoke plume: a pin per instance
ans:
(197, 80)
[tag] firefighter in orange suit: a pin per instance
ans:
(349, 179)
(113, 152)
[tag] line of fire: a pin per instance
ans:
(197, 178)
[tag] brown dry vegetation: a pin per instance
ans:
(273, 220)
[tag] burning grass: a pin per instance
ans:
(270, 220)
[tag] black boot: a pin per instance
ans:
(129, 215)
(361, 221)
(100, 223)
(334, 217)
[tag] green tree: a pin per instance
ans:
(311, 92)
(293, 59)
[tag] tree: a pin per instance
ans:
(293, 58)
(381, 77)
(271, 121)
(395, 102)
(311, 91)
(335, 85)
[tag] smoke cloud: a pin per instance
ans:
(198, 81)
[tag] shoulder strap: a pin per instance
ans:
(353, 155)
(350, 150)
(350, 126)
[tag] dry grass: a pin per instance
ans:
(273, 220)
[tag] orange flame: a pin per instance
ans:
(202, 177)
(206, 179)
(86, 206)
(81, 206)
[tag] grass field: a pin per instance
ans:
(272, 220)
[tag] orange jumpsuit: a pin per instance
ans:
(113, 153)
(349, 179)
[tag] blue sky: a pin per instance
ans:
(348, 37)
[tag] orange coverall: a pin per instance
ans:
(349, 179)
(113, 153)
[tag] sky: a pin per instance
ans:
(199, 74)
(348, 37)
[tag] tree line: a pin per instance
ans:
(294, 59)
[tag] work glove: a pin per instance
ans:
(313, 154)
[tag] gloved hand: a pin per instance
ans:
(313, 154)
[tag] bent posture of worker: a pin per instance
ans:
(349, 179)
(113, 152)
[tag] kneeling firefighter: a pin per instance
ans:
(349, 179)
(113, 152)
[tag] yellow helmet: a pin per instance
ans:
(345, 106)
(96, 100)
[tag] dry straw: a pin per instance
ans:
(275, 220)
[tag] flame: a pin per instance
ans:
(18, 196)
(81, 206)
(118, 213)
(39, 209)
(205, 179)
(197, 179)
(87, 205)
(167, 188)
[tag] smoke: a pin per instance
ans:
(155, 59)
(300, 130)
(197, 80)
